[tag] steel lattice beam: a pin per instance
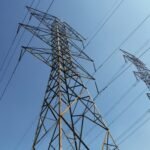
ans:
(67, 108)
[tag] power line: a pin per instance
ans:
(15, 49)
(104, 23)
(130, 88)
(124, 41)
(10, 60)
(128, 106)
(25, 134)
(5, 89)
(16, 66)
(103, 19)
(113, 79)
(120, 99)
(27, 12)
(143, 46)
(3, 62)
(134, 100)
(13, 42)
(134, 131)
(52, 2)
(13, 54)
(133, 125)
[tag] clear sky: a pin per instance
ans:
(21, 104)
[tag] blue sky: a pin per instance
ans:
(21, 104)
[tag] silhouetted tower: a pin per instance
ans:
(68, 110)
(143, 72)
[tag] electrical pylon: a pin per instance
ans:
(143, 72)
(68, 109)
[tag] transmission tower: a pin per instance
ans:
(68, 109)
(143, 72)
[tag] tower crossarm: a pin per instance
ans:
(134, 60)
(43, 54)
(142, 73)
(47, 19)
(44, 34)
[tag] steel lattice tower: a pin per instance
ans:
(143, 72)
(67, 109)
